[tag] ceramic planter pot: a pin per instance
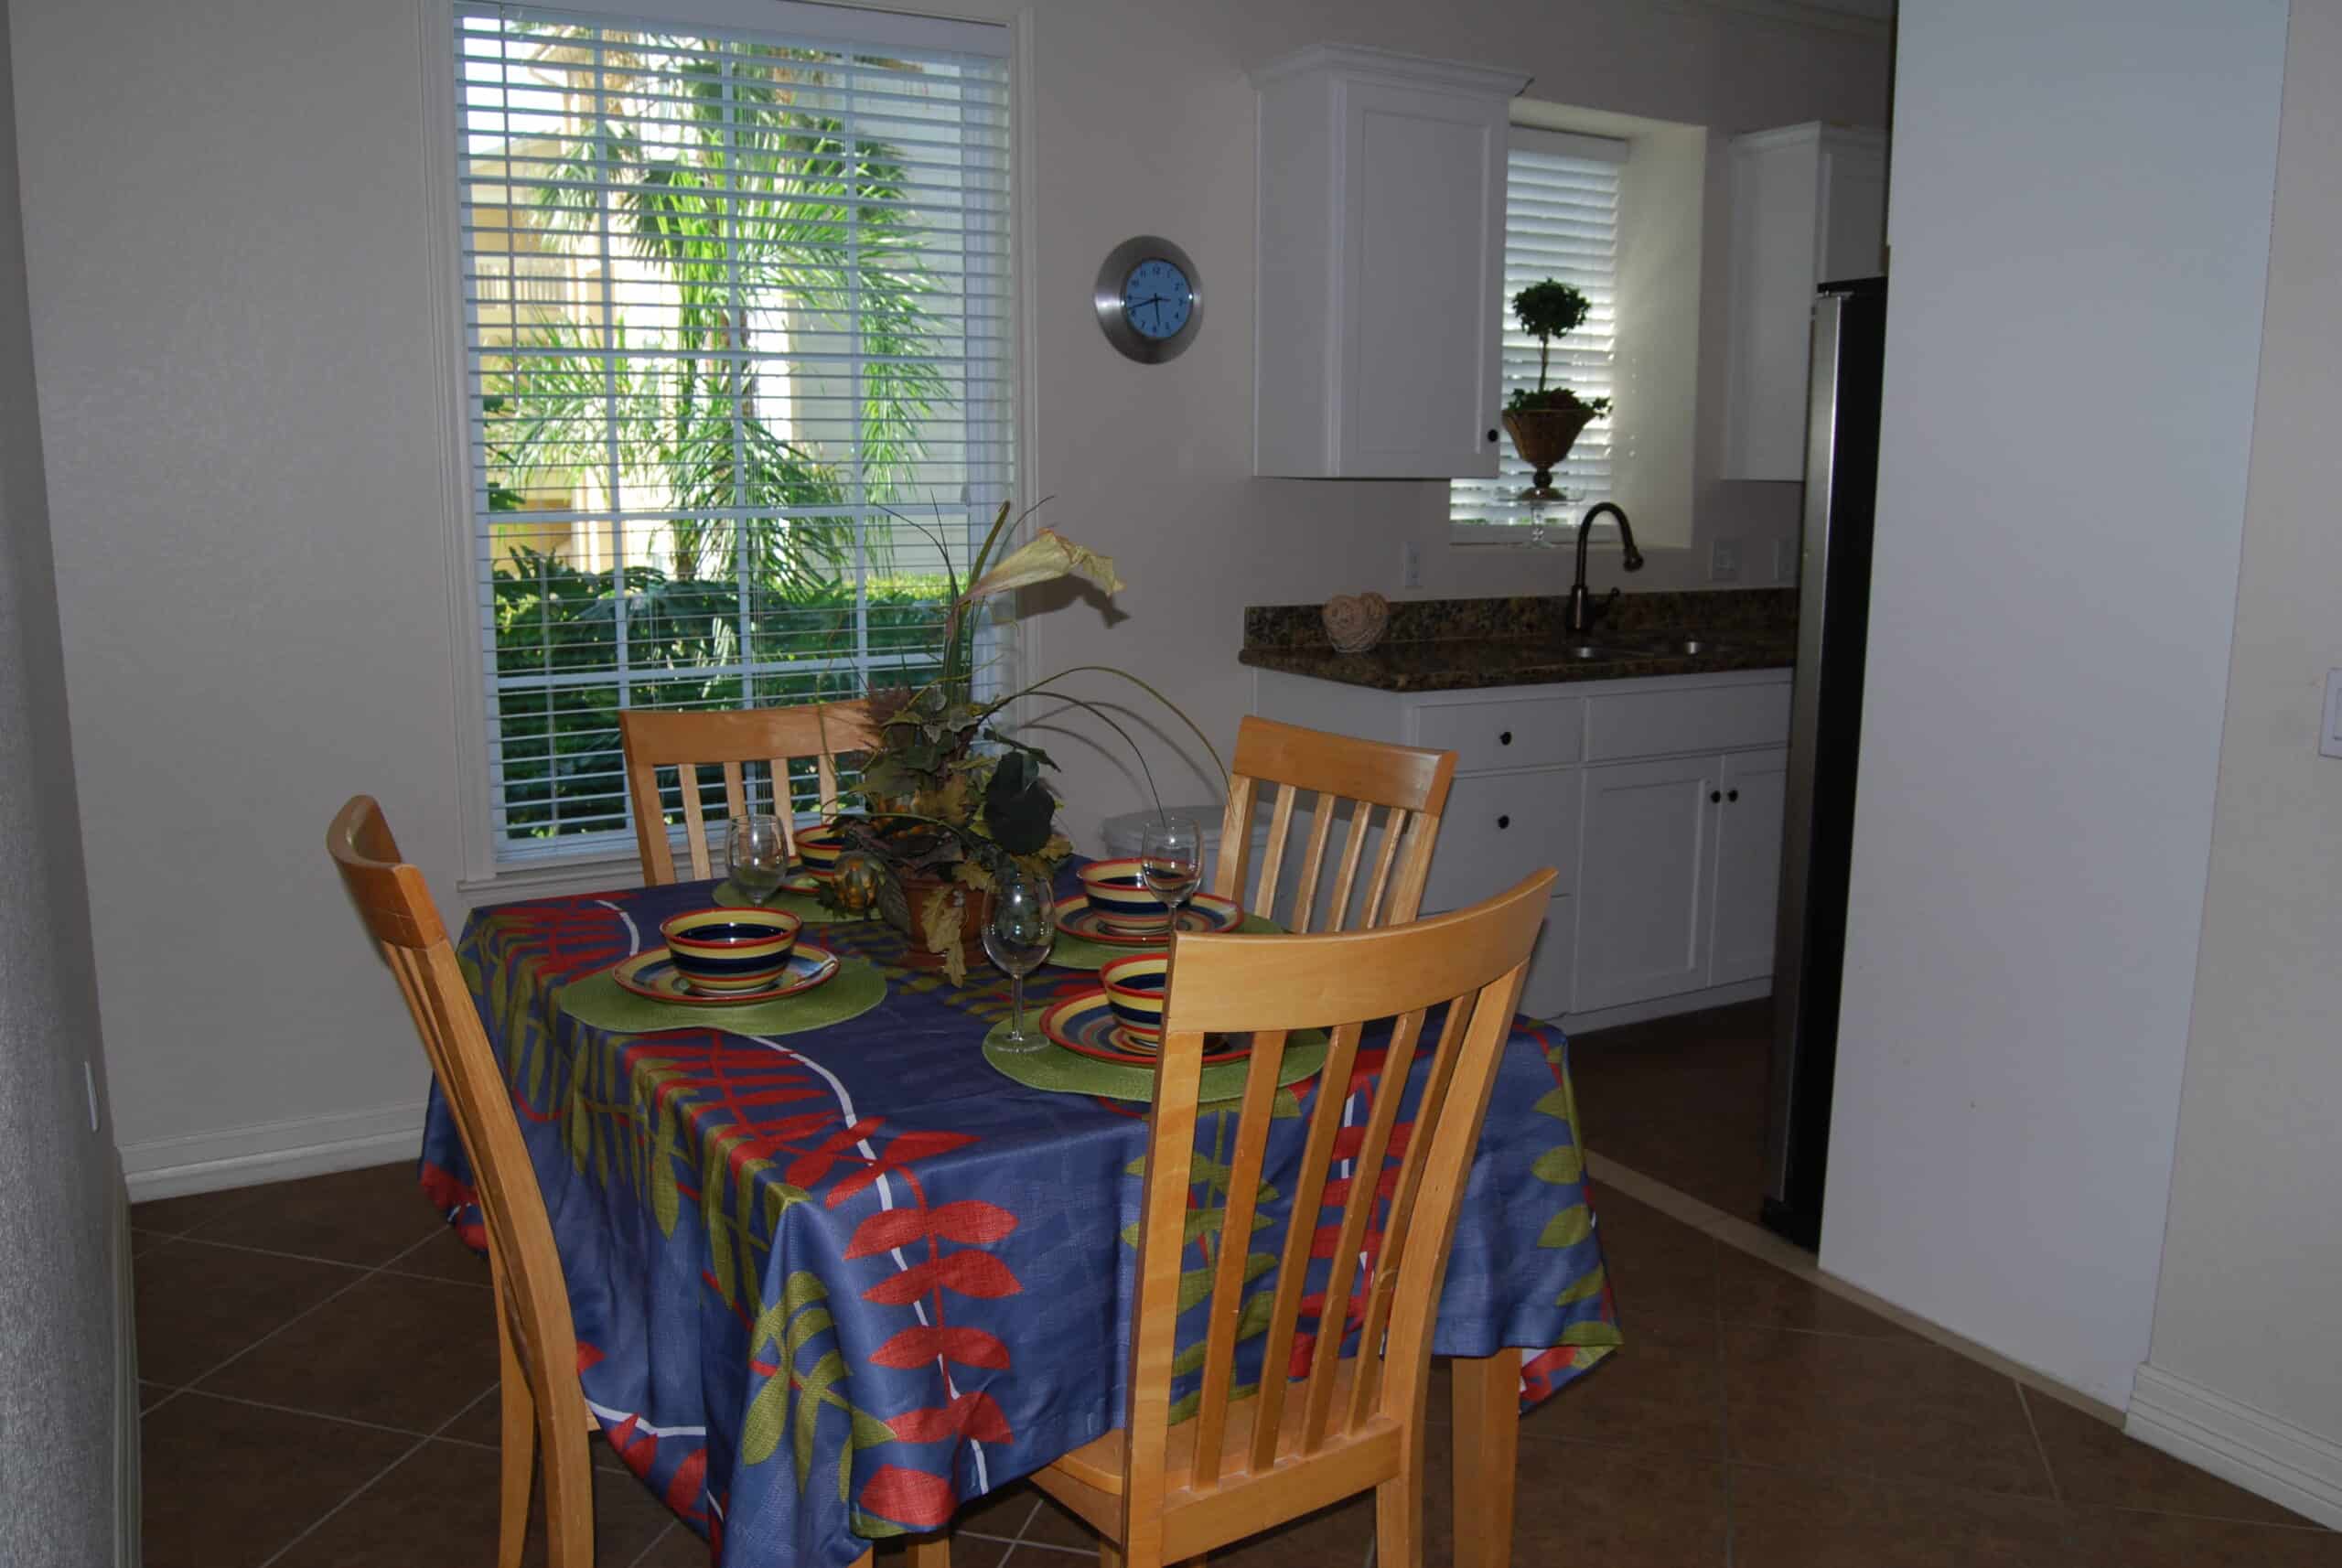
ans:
(1544, 436)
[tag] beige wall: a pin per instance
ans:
(2250, 1293)
(2073, 335)
(230, 299)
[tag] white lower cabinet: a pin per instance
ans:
(1660, 802)
(1681, 865)
(1648, 851)
(1748, 865)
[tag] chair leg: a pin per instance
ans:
(569, 1498)
(518, 1444)
(1398, 1511)
(931, 1551)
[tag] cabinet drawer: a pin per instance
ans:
(1514, 733)
(1660, 723)
(1498, 830)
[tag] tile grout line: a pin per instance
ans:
(375, 1479)
(320, 1415)
(311, 1257)
(2055, 1492)
(644, 1556)
(366, 1275)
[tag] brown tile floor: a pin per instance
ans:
(1681, 1100)
(320, 1390)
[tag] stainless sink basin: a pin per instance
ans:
(1687, 644)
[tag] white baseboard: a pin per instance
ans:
(272, 1151)
(2267, 1457)
(1665, 1006)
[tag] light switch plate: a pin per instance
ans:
(1410, 564)
(1785, 560)
(2329, 729)
(1724, 561)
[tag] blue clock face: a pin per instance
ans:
(1158, 299)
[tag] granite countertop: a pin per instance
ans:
(1453, 645)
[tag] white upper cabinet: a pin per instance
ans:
(1809, 206)
(1382, 254)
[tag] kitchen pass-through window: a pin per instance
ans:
(1561, 221)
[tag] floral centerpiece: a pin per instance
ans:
(951, 792)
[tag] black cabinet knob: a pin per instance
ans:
(1492, 436)
(1505, 822)
(1716, 797)
(1505, 739)
(1731, 794)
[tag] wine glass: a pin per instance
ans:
(758, 850)
(1017, 934)
(1171, 861)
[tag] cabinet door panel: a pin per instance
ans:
(1748, 864)
(1498, 829)
(1645, 858)
(1546, 992)
(1424, 186)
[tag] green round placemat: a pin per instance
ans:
(1081, 952)
(601, 1001)
(806, 906)
(1050, 1066)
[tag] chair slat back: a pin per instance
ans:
(1401, 790)
(730, 740)
(524, 1268)
(1472, 963)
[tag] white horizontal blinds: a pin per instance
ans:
(738, 318)
(1561, 221)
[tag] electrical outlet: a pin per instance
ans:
(1724, 561)
(1410, 564)
(1785, 560)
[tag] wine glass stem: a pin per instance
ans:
(1016, 1000)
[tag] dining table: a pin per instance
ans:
(840, 1263)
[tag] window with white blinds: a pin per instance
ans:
(1561, 221)
(737, 320)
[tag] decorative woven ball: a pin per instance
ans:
(859, 877)
(1355, 623)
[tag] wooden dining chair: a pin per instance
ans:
(1407, 784)
(687, 741)
(1162, 1493)
(536, 1343)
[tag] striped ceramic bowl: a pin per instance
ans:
(818, 848)
(1134, 987)
(722, 950)
(1123, 901)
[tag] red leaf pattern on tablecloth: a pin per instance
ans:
(972, 1414)
(912, 1498)
(966, 1347)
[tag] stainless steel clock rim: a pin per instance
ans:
(1107, 298)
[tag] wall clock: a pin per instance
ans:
(1150, 299)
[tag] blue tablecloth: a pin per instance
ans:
(828, 1285)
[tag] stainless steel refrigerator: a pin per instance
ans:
(1825, 732)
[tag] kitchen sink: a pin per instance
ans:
(1685, 644)
(1593, 652)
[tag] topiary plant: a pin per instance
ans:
(1548, 310)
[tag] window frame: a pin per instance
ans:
(484, 875)
(1562, 519)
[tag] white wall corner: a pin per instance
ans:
(2288, 1465)
(273, 1150)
